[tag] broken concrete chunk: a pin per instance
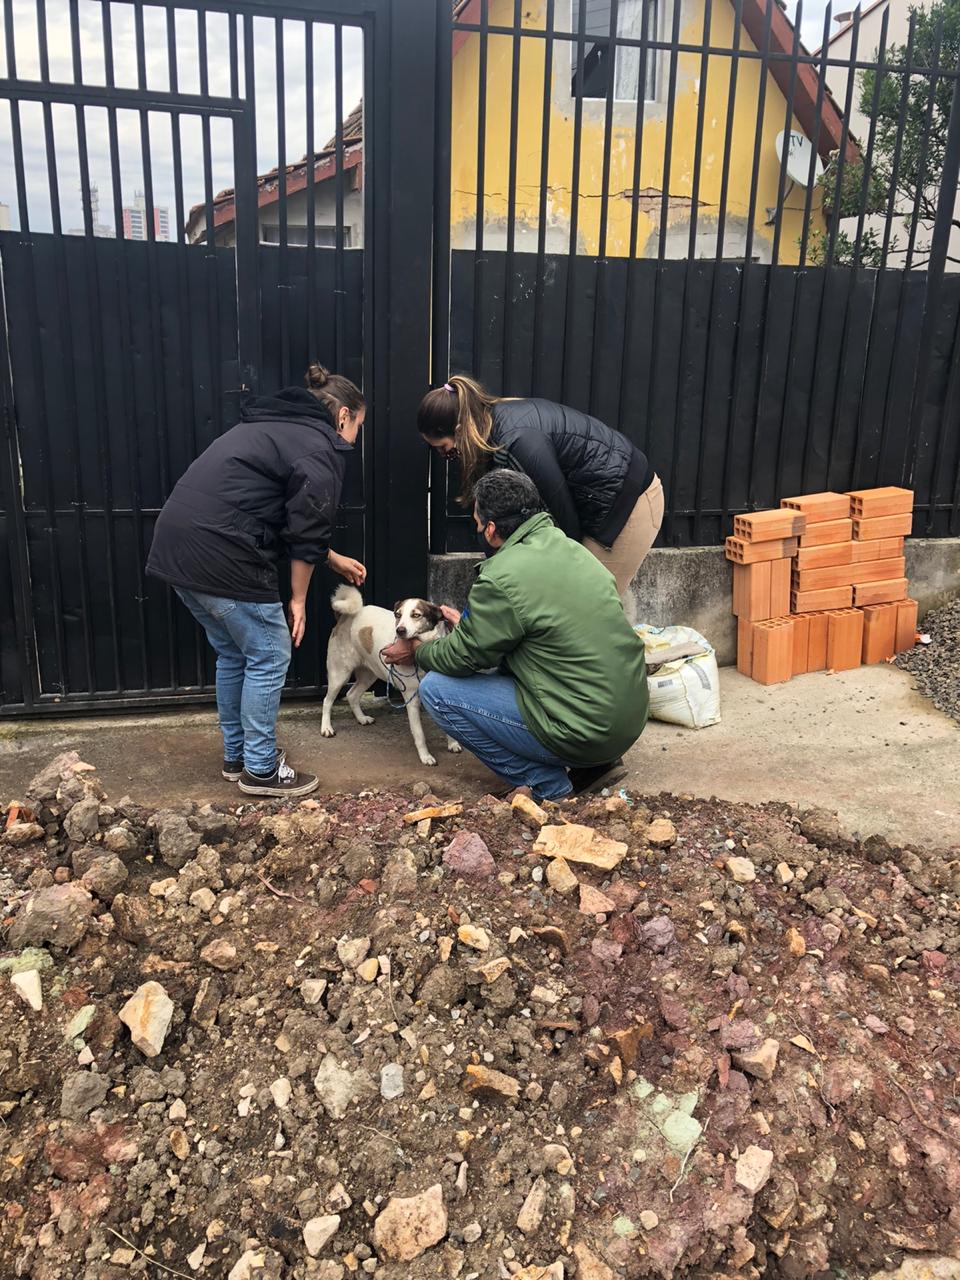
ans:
(753, 1169)
(353, 951)
(148, 1014)
(742, 870)
(533, 1208)
(661, 833)
(28, 987)
(474, 937)
(575, 843)
(560, 877)
(484, 1080)
(761, 1062)
(528, 811)
(59, 914)
(318, 1232)
(409, 1226)
(593, 902)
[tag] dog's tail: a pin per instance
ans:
(347, 601)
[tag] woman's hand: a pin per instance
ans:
(352, 570)
(450, 614)
(297, 618)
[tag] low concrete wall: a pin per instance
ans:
(693, 586)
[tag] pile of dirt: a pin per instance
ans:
(936, 666)
(627, 1037)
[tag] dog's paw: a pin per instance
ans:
(428, 760)
(364, 719)
(455, 747)
(327, 731)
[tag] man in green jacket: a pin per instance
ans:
(569, 694)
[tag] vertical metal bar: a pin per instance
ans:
(338, 285)
(612, 55)
(939, 248)
(701, 117)
(15, 125)
(728, 130)
(577, 138)
(283, 291)
(481, 179)
(758, 135)
(311, 176)
(878, 75)
(815, 140)
(949, 414)
(544, 191)
(787, 129)
(234, 45)
(844, 137)
(245, 178)
(92, 297)
(53, 180)
(898, 144)
(440, 301)
(668, 134)
(933, 73)
(638, 137)
(508, 289)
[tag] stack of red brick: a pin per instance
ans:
(820, 584)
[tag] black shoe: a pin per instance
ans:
(596, 777)
(284, 781)
(232, 769)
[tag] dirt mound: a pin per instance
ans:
(339, 1039)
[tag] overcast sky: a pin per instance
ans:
(161, 148)
(129, 128)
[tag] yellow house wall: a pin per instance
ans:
(621, 184)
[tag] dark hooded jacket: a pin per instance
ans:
(268, 488)
(588, 475)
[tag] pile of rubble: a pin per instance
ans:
(376, 1035)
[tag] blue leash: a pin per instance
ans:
(396, 681)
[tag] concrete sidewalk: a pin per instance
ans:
(862, 743)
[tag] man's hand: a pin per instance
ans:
(399, 653)
(297, 618)
(352, 570)
(450, 614)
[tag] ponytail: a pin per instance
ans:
(461, 408)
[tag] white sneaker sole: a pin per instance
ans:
(303, 790)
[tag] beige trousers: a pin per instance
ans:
(636, 538)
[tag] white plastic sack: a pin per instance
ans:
(685, 687)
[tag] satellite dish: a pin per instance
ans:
(798, 157)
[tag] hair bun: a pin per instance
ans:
(317, 375)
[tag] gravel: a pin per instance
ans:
(936, 666)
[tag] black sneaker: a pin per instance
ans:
(596, 777)
(284, 781)
(232, 769)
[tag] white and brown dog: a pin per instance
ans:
(356, 642)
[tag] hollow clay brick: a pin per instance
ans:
(881, 527)
(817, 642)
(865, 593)
(811, 601)
(751, 591)
(741, 552)
(843, 575)
(871, 504)
(780, 588)
(906, 625)
(773, 651)
(801, 643)
(844, 639)
(879, 632)
(817, 535)
(876, 549)
(818, 507)
(745, 646)
(879, 570)
(763, 526)
(826, 557)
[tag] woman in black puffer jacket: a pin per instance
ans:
(599, 488)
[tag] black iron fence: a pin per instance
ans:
(734, 250)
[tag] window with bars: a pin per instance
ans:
(623, 61)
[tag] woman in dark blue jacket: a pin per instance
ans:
(266, 489)
(599, 488)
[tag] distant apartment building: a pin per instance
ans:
(136, 220)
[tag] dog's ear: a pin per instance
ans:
(432, 612)
(398, 606)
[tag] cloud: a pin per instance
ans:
(161, 125)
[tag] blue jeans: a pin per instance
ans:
(482, 714)
(252, 643)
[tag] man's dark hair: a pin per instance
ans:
(508, 499)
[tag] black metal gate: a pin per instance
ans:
(127, 342)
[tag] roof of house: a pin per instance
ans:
(848, 26)
(268, 184)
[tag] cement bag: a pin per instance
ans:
(682, 676)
